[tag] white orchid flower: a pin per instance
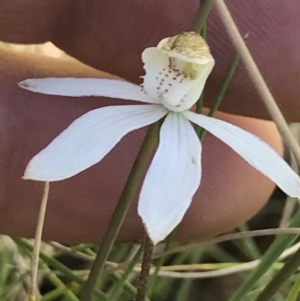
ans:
(176, 72)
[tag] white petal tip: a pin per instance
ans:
(156, 235)
(36, 173)
(33, 172)
(30, 85)
(26, 175)
(295, 196)
(25, 84)
(29, 176)
(155, 240)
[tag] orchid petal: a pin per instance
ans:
(252, 149)
(172, 179)
(88, 139)
(177, 84)
(77, 87)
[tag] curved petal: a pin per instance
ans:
(77, 87)
(252, 149)
(177, 84)
(88, 139)
(172, 179)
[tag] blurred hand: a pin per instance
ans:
(110, 36)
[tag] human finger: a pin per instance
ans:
(110, 35)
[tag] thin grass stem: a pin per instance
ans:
(257, 78)
(23, 243)
(228, 237)
(32, 290)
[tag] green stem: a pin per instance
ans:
(225, 85)
(54, 294)
(222, 91)
(199, 103)
(295, 291)
(270, 256)
(119, 286)
(121, 209)
(248, 245)
(57, 265)
(275, 284)
(201, 15)
(27, 249)
(184, 289)
(129, 289)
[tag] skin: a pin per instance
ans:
(110, 36)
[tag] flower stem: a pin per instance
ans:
(160, 262)
(221, 93)
(145, 270)
(32, 290)
(121, 209)
(199, 103)
(201, 15)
